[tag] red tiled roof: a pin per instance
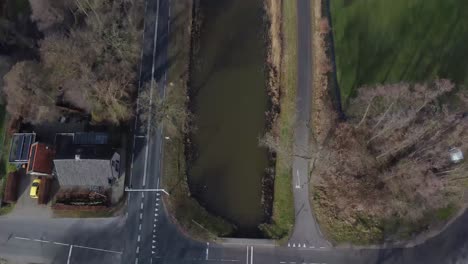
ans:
(40, 158)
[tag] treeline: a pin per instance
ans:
(387, 170)
(87, 62)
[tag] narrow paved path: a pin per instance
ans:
(306, 231)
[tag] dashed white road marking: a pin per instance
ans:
(141, 206)
(207, 250)
(138, 250)
(141, 216)
(138, 239)
(139, 227)
(60, 244)
(42, 241)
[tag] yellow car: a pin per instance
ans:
(35, 188)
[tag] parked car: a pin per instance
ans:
(35, 188)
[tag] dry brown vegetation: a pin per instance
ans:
(386, 172)
(87, 63)
(323, 117)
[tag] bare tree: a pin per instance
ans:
(164, 108)
(391, 159)
(28, 93)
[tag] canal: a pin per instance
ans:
(229, 101)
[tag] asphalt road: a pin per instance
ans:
(146, 235)
(145, 212)
(59, 241)
(306, 231)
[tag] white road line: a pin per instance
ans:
(99, 249)
(207, 250)
(251, 255)
(151, 91)
(22, 238)
(137, 250)
(138, 239)
(298, 184)
(141, 206)
(247, 257)
(142, 195)
(69, 254)
(42, 241)
(139, 227)
(136, 261)
(141, 216)
(60, 244)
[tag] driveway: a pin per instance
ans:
(26, 206)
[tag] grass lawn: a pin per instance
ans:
(283, 204)
(380, 41)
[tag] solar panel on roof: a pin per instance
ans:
(92, 138)
(21, 142)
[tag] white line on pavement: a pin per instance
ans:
(69, 254)
(247, 257)
(251, 255)
(42, 241)
(22, 238)
(99, 249)
(207, 250)
(298, 184)
(151, 92)
(60, 244)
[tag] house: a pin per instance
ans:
(85, 161)
(87, 173)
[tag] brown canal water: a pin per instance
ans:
(229, 100)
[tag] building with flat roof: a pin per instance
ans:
(20, 146)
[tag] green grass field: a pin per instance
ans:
(381, 41)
